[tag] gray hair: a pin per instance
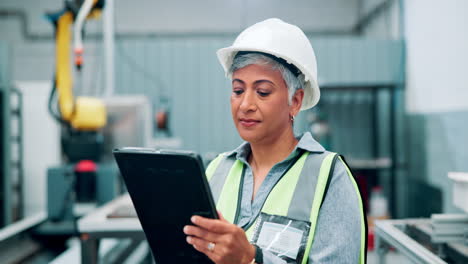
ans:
(292, 82)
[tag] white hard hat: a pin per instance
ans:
(276, 37)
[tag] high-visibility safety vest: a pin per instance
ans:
(297, 195)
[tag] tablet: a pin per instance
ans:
(167, 188)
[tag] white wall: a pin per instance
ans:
(437, 55)
(41, 147)
(436, 86)
(437, 50)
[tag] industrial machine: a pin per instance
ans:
(5, 138)
(83, 181)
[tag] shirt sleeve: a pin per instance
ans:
(338, 230)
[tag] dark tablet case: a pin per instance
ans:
(167, 188)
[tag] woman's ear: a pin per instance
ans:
(296, 101)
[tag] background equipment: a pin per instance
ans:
(84, 181)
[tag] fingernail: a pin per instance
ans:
(185, 229)
(193, 219)
(189, 240)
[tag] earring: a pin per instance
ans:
(292, 118)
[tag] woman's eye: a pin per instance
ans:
(263, 94)
(238, 91)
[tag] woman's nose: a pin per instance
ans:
(248, 102)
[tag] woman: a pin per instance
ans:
(281, 199)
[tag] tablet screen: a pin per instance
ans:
(167, 188)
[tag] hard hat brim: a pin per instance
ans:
(311, 89)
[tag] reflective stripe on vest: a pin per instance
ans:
(292, 196)
(362, 255)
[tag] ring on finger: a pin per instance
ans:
(211, 246)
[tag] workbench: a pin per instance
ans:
(412, 238)
(101, 224)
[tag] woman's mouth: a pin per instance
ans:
(248, 122)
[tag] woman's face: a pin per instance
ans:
(259, 103)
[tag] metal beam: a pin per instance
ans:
(371, 16)
(28, 35)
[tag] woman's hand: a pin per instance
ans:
(220, 240)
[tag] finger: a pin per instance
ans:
(221, 217)
(213, 225)
(200, 233)
(202, 246)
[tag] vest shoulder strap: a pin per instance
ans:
(326, 175)
(318, 197)
(213, 166)
(330, 177)
(364, 231)
(217, 173)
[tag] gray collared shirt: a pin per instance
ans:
(338, 226)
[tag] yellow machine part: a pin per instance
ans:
(85, 113)
(90, 114)
(63, 69)
(95, 13)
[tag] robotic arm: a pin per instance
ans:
(81, 113)
(82, 177)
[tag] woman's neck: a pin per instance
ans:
(269, 152)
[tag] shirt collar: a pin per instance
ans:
(306, 142)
